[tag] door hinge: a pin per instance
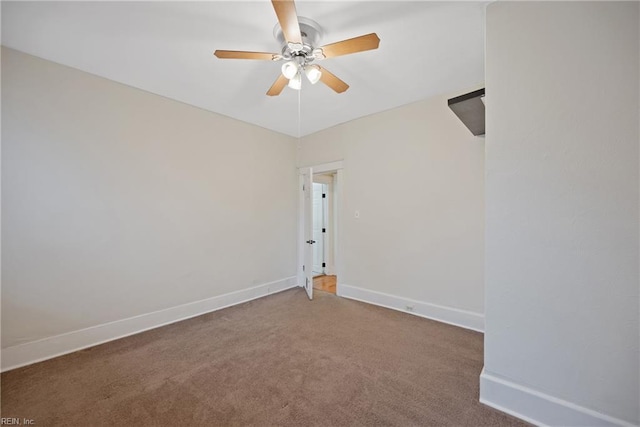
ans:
(324, 195)
(324, 264)
(302, 187)
(324, 230)
(303, 268)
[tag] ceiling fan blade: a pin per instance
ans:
(332, 81)
(278, 85)
(345, 47)
(240, 54)
(288, 19)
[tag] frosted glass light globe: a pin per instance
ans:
(295, 82)
(313, 73)
(289, 69)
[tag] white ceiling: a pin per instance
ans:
(426, 48)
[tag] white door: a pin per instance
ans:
(319, 201)
(307, 232)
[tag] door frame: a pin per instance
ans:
(338, 168)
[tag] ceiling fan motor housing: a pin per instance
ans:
(311, 35)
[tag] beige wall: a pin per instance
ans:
(117, 202)
(416, 175)
(562, 279)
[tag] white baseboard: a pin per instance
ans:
(50, 347)
(539, 408)
(452, 316)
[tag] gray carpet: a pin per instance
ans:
(279, 360)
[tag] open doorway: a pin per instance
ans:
(324, 211)
(319, 268)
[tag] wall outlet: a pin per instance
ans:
(409, 307)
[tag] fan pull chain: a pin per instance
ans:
(300, 110)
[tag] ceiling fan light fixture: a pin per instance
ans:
(290, 69)
(295, 82)
(313, 73)
(298, 37)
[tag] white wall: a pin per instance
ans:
(416, 175)
(562, 211)
(117, 202)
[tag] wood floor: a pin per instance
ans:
(325, 283)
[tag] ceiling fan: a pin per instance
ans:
(299, 38)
